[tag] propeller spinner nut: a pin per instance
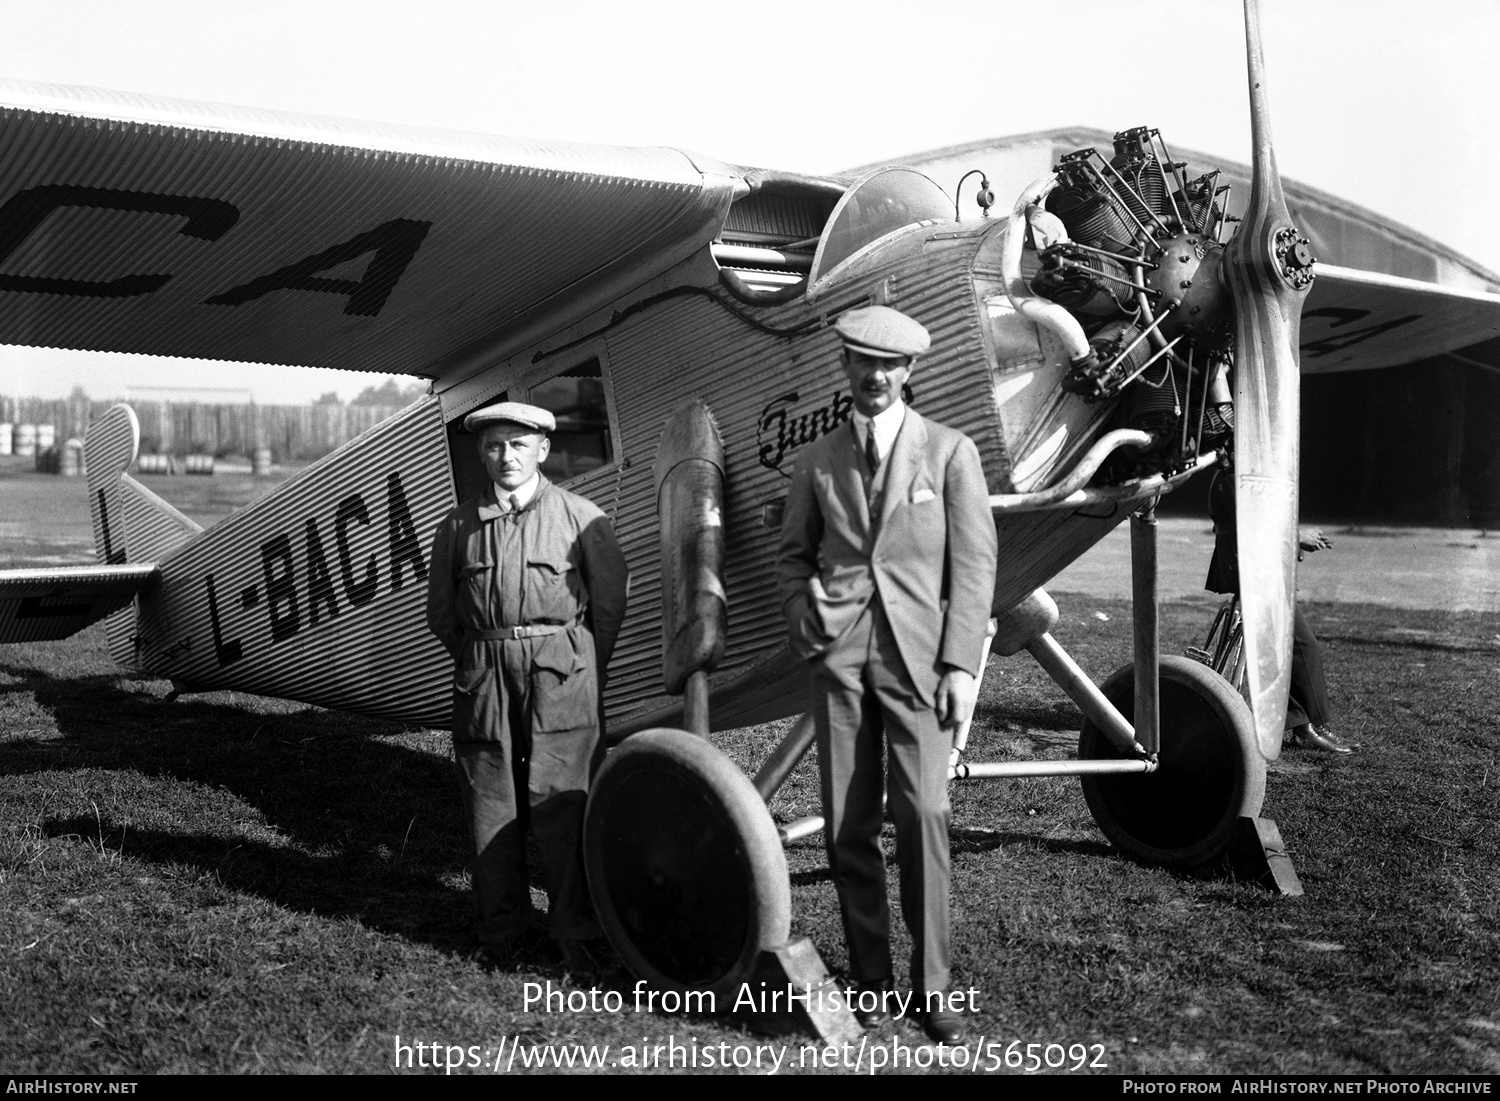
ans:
(1294, 257)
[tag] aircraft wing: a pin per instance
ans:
(132, 224)
(1356, 320)
(56, 602)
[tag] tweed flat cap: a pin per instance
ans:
(511, 412)
(882, 331)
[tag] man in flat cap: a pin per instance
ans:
(527, 592)
(887, 571)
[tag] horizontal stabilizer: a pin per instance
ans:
(56, 602)
(1358, 320)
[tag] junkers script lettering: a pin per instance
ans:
(298, 577)
(778, 432)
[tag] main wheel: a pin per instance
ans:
(684, 862)
(1211, 769)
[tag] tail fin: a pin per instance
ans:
(131, 524)
(109, 448)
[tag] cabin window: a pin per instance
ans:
(583, 440)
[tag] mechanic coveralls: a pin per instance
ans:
(529, 603)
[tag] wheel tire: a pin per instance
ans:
(685, 865)
(1211, 770)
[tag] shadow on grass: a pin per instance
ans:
(340, 821)
(967, 839)
(810, 877)
(973, 840)
(1014, 717)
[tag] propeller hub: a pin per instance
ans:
(1187, 273)
(1294, 258)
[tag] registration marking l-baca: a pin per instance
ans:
(317, 592)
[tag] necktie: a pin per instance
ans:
(515, 504)
(872, 455)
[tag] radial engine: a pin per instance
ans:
(1132, 248)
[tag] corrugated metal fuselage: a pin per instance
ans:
(315, 593)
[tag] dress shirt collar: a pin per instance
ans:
(496, 502)
(524, 492)
(887, 424)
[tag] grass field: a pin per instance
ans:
(230, 883)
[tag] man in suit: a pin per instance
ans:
(887, 570)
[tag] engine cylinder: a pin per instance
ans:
(1196, 203)
(1153, 400)
(1134, 160)
(1091, 218)
(1089, 212)
(1085, 295)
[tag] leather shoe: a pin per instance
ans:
(1306, 736)
(943, 1026)
(1329, 735)
(860, 997)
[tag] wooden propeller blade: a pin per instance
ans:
(1268, 271)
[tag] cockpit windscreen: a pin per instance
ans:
(882, 202)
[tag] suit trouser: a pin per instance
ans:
(518, 781)
(862, 697)
(1308, 702)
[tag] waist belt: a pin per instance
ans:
(500, 634)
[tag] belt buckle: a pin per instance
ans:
(517, 633)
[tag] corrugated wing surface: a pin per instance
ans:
(137, 225)
(317, 592)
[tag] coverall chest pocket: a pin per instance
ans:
(553, 590)
(476, 581)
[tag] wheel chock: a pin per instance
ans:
(1257, 852)
(792, 991)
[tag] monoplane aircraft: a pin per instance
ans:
(1095, 337)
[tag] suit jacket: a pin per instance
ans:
(930, 553)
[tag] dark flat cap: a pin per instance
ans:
(511, 412)
(882, 331)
